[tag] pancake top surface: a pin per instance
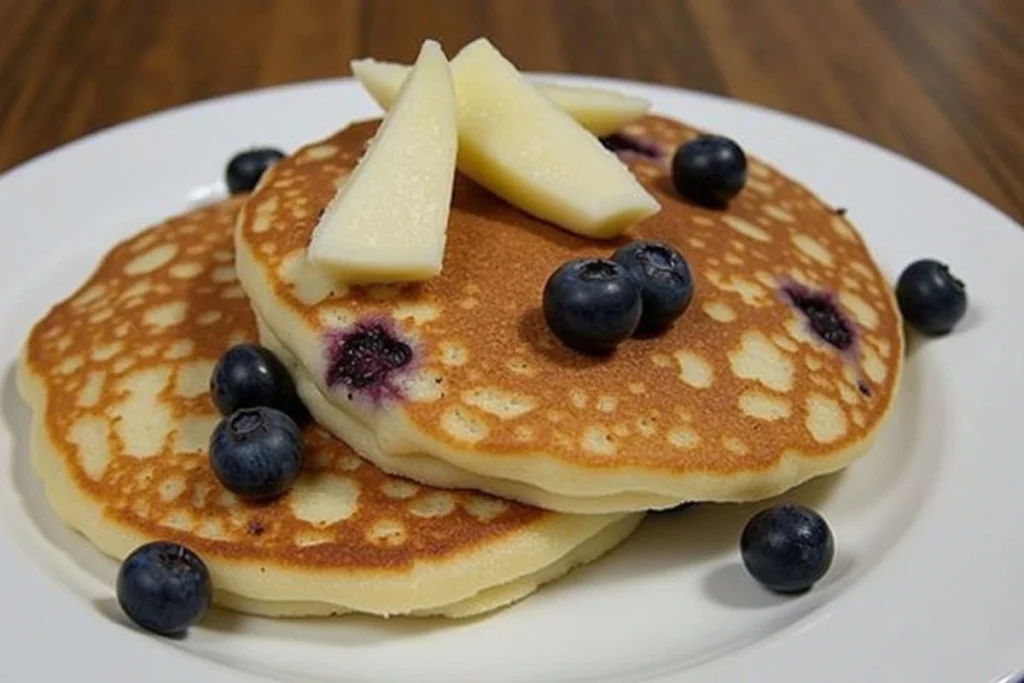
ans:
(125, 365)
(737, 383)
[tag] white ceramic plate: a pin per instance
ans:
(926, 584)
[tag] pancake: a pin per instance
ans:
(117, 377)
(742, 399)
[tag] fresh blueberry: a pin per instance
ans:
(246, 168)
(931, 298)
(787, 548)
(256, 453)
(248, 375)
(709, 170)
(666, 283)
(592, 304)
(164, 588)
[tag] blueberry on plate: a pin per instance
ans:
(164, 587)
(709, 170)
(787, 548)
(249, 375)
(246, 168)
(666, 283)
(257, 453)
(592, 304)
(930, 297)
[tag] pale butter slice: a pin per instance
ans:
(515, 142)
(388, 222)
(598, 110)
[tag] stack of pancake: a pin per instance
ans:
(461, 455)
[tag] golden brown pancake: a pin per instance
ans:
(118, 376)
(740, 400)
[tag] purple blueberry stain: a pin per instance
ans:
(367, 360)
(827, 321)
(628, 146)
(822, 315)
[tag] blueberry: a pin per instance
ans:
(247, 376)
(256, 453)
(368, 356)
(666, 283)
(709, 170)
(246, 168)
(822, 315)
(164, 587)
(592, 304)
(787, 548)
(931, 298)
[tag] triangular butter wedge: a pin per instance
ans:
(599, 111)
(515, 142)
(388, 222)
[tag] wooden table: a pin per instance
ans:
(941, 81)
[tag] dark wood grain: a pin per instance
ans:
(941, 81)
